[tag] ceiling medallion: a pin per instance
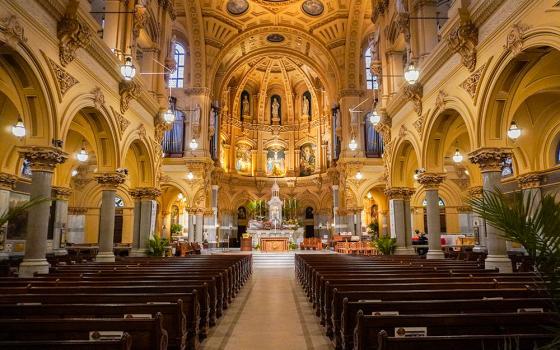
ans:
(275, 38)
(237, 7)
(313, 7)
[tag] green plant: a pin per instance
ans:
(292, 245)
(176, 229)
(532, 222)
(157, 245)
(386, 245)
(11, 213)
(373, 229)
(258, 247)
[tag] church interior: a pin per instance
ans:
(280, 174)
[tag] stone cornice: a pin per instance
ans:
(431, 180)
(489, 159)
(43, 158)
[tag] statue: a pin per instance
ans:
(245, 106)
(275, 108)
(305, 110)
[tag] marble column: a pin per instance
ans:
(144, 218)
(431, 183)
(490, 161)
(42, 161)
(530, 185)
(336, 218)
(213, 216)
(199, 226)
(109, 183)
(477, 223)
(191, 226)
(358, 221)
(7, 184)
(61, 196)
(350, 221)
(401, 226)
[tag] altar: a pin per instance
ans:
(274, 244)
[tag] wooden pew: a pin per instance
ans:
(124, 343)
(147, 334)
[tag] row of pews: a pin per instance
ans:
(134, 303)
(406, 303)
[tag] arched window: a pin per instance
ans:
(119, 203)
(177, 78)
(558, 153)
(507, 167)
(371, 79)
(373, 140)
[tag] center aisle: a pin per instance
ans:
(270, 312)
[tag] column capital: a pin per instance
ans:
(145, 193)
(431, 181)
(476, 191)
(402, 193)
(7, 181)
(530, 180)
(464, 209)
(61, 193)
(43, 158)
(110, 180)
(489, 159)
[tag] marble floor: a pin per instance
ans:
(270, 313)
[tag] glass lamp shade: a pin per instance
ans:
(190, 175)
(128, 70)
(412, 74)
(374, 118)
(359, 175)
(18, 130)
(74, 172)
(514, 132)
(193, 145)
(353, 145)
(369, 196)
(169, 116)
(457, 157)
(83, 155)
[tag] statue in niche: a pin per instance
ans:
(307, 160)
(305, 109)
(275, 108)
(243, 159)
(245, 109)
(196, 115)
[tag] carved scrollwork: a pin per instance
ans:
(43, 158)
(515, 38)
(431, 180)
(71, 34)
(128, 90)
(489, 159)
(463, 40)
(7, 181)
(111, 180)
(12, 28)
(414, 93)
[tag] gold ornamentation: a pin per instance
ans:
(7, 181)
(464, 209)
(431, 180)
(489, 159)
(379, 9)
(530, 181)
(121, 120)
(71, 33)
(440, 100)
(419, 125)
(476, 191)
(12, 28)
(414, 93)
(403, 130)
(139, 21)
(402, 193)
(463, 40)
(64, 80)
(43, 159)
(111, 180)
(150, 193)
(515, 38)
(98, 97)
(128, 90)
(61, 193)
(167, 5)
(472, 83)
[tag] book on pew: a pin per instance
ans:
(530, 309)
(105, 335)
(370, 301)
(385, 313)
(404, 332)
(138, 316)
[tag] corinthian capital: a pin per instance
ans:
(403, 193)
(43, 158)
(529, 181)
(145, 193)
(7, 181)
(489, 159)
(110, 180)
(431, 180)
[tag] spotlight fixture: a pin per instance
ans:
(457, 157)
(193, 145)
(513, 132)
(359, 175)
(83, 155)
(353, 145)
(190, 175)
(18, 129)
(412, 74)
(374, 117)
(128, 70)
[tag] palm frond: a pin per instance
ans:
(11, 213)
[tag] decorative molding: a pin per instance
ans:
(419, 125)
(61, 193)
(121, 121)
(379, 9)
(414, 93)
(167, 5)
(98, 97)
(7, 181)
(399, 193)
(464, 39)
(472, 83)
(128, 90)
(43, 159)
(515, 38)
(530, 181)
(150, 193)
(490, 159)
(64, 80)
(476, 191)
(111, 180)
(440, 100)
(71, 34)
(431, 181)
(12, 28)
